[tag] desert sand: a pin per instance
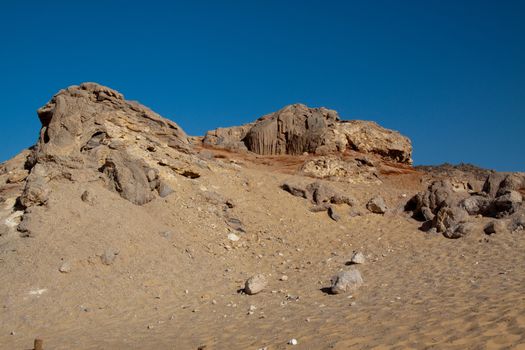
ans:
(87, 268)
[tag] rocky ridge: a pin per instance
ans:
(298, 129)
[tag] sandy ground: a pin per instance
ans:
(175, 282)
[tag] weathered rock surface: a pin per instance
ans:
(357, 258)
(346, 281)
(91, 129)
(446, 209)
(296, 129)
(255, 284)
(335, 168)
(377, 205)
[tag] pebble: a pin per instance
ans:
(293, 341)
(65, 267)
(233, 237)
(251, 309)
(284, 278)
(255, 284)
(109, 256)
(357, 258)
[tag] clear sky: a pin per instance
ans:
(448, 74)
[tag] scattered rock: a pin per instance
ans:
(459, 230)
(88, 197)
(293, 342)
(65, 267)
(517, 223)
(235, 224)
(319, 194)
(283, 278)
(357, 258)
(377, 205)
(251, 309)
(255, 284)
(495, 226)
(346, 281)
(475, 204)
(506, 204)
(439, 194)
(320, 208)
(295, 189)
(109, 256)
(333, 214)
(233, 237)
(164, 189)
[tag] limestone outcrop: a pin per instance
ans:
(91, 130)
(297, 129)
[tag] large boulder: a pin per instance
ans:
(296, 129)
(438, 195)
(91, 129)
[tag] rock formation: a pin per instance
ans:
(91, 129)
(297, 129)
(444, 208)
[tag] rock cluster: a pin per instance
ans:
(297, 129)
(448, 211)
(321, 195)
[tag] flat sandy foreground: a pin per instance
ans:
(175, 282)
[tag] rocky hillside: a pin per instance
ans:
(117, 230)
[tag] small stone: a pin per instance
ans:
(233, 237)
(87, 197)
(357, 258)
(109, 256)
(346, 281)
(333, 214)
(293, 342)
(377, 205)
(166, 234)
(65, 267)
(165, 190)
(494, 227)
(283, 278)
(255, 284)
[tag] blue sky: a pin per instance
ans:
(448, 74)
